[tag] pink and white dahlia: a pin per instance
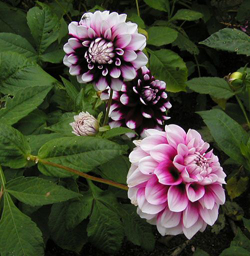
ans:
(175, 182)
(104, 49)
(141, 104)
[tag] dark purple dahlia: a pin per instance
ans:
(141, 104)
(104, 49)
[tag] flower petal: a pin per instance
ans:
(177, 198)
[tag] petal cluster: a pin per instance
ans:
(104, 49)
(85, 125)
(141, 104)
(175, 181)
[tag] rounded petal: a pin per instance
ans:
(177, 198)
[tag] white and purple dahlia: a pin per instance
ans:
(141, 104)
(104, 49)
(175, 182)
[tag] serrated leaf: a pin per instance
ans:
(241, 240)
(235, 250)
(82, 153)
(117, 131)
(136, 229)
(235, 187)
(161, 5)
(168, 66)
(231, 40)
(246, 223)
(44, 26)
(13, 20)
(19, 235)
(79, 210)
(54, 54)
(214, 86)
(17, 72)
(14, 147)
(159, 36)
(227, 133)
(15, 43)
(105, 228)
(36, 191)
(185, 44)
(69, 239)
(24, 102)
(188, 15)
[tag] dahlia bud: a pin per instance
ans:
(236, 81)
(85, 125)
(235, 75)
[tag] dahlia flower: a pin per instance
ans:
(175, 182)
(104, 49)
(141, 104)
(84, 125)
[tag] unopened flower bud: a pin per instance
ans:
(85, 125)
(235, 75)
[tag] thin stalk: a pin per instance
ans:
(108, 108)
(137, 7)
(243, 110)
(84, 175)
(2, 182)
(198, 66)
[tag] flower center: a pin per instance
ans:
(100, 51)
(149, 94)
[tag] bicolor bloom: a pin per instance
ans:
(85, 125)
(175, 182)
(104, 49)
(141, 104)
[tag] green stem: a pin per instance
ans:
(2, 183)
(172, 10)
(106, 118)
(137, 7)
(243, 110)
(84, 175)
(198, 66)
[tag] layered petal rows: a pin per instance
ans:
(104, 49)
(175, 182)
(141, 104)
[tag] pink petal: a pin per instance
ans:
(163, 152)
(209, 216)
(82, 32)
(123, 40)
(150, 142)
(74, 43)
(129, 55)
(190, 215)
(175, 129)
(174, 231)
(147, 165)
(128, 72)
(91, 33)
(73, 28)
(136, 155)
(137, 41)
(116, 84)
(170, 219)
(68, 49)
(208, 200)
(102, 84)
(195, 192)
(74, 70)
(87, 77)
(115, 72)
(177, 198)
(140, 61)
(191, 231)
(155, 193)
(135, 177)
(218, 192)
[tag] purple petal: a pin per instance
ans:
(116, 84)
(195, 192)
(129, 55)
(128, 72)
(101, 84)
(147, 165)
(137, 42)
(177, 198)
(87, 77)
(123, 40)
(191, 231)
(140, 61)
(162, 152)
(190, 215)
(209, 216)
(115, 72)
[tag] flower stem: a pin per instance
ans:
(198, 65)
(106, 118)
(137, 7)
(243, 110)
(2, 183)
(82, 174)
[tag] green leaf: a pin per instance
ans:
(54, 54)
(44, 26)
(169, 67)
(116, 169)
(136, 229)
(228, 134)
(13, 20)
(243, 11)
(246, 223)
(69, 239)
(17, 72)
(14, 148)
(241, 240)
(188, 15)
(82, 153)
(231, 40)
(105, 229)
(161, 5)
(199, 252)
(24, 102)
(185, 44)
(19, 235)
(79, 210)
(15, 43)
(235, 250)
(159, 36)
(36, 191)
(117, 131)
(70, 88)
(214, 86)
(236, 186)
